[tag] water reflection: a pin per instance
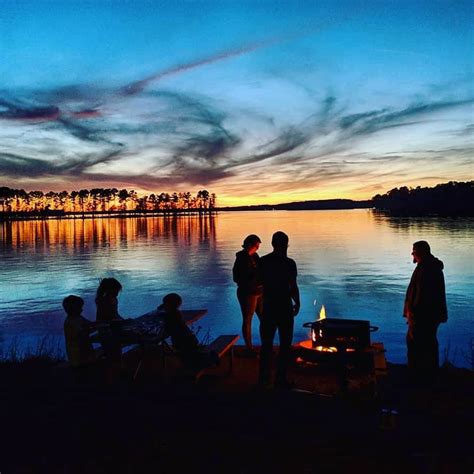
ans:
(355, 262)
(80, 233)
(421, 224)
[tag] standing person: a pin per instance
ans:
(281, 303)
(425, 308)
(249, 288)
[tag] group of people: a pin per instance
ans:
(77, 329)
(267, 287)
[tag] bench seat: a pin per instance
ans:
(221, 348)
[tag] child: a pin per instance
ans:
(76, 331)
(182, 337)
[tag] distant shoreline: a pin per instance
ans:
(297, 206)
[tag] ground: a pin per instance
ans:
(52, 424)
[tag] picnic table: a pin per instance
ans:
(146, 329)
(149, 330)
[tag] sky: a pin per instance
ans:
(258, 102)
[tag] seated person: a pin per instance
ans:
(107, 312)
(182, 338)
(76, 331)
(107, 300)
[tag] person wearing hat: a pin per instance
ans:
(249, 288)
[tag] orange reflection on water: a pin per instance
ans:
(105, 232)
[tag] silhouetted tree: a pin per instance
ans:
(453, 198)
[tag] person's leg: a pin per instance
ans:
(259, 306)
(412, 347)
(431, 350)
(247, 306)
(285, 333)
(267, 334)
(422, 351)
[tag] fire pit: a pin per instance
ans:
(337, 340)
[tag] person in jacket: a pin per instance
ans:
(249, 288)
(425, 308)
(281, 303)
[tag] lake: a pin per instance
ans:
(355, 262)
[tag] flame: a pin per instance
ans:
(322, 313)
(326, 348)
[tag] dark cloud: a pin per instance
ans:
(23, 166)
(187, 138)
(14, 165)
(17, 111)
(376, 120)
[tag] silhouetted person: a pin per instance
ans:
(281, 303)
(182, 338)
(77, 330)
(106, 301)
(425, 308)
(249, 287)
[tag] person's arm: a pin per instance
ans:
(442, 295)
(238, 270)
(295, 291)
(114, 314)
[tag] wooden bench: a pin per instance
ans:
(221, 348)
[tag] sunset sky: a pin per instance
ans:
(259, 102)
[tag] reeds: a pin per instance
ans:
(46, 348)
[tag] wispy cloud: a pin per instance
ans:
(164, 138)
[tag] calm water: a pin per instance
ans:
(354, 262)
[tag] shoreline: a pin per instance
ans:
(20, 217)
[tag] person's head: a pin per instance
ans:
(251, 243)
(73, 305)
(421, 250)
(280, 241)
(108, 286)
(172, 302)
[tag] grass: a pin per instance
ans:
(47, 348)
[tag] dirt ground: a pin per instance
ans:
(52, 423)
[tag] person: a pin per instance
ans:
(106, 300)
(281, 303)
(425, 308)
(77, 330)
(107, 312)
(182, 338)
(249, 288)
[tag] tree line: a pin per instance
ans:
(453, 198)
(100, 200)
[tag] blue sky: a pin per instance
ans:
(256, 101)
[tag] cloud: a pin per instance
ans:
(166, 138)
(17, 111)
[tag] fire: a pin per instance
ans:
(322, 313)
(326, 348)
